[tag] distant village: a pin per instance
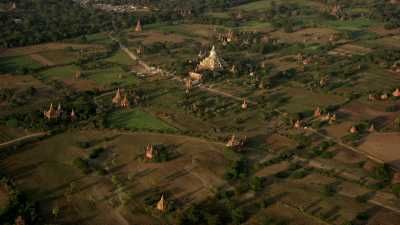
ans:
(127, 8)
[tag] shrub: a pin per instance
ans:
(256, 183)
(330, 189)
(96, 152)
(382, 173)
(396, 190)
(84, 144)
(82, 164)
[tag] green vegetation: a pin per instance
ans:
(18, 64)
(135, 119)
(63, 72)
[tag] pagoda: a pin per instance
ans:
(212, 62)
(396, 93)
(117, 98)
(149, 152)
(188, 84)
(235, 142)
(78, 74)
(317, 112)
(353, 130)
(384, 96)
(20, 221)
(297, 124)
(138, 27)
(13, 6)
(162, 204)
(73, 115)
(125, 102)
(371, 128)
(52, 113)
(244, 104)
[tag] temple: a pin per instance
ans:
(212, 62)
(78, 74)
(384, 96)
(119, 101)
(149, 152)
(353, 130)
(396, 93)
(297, 124)
(52, 113)
(117, 98)
(371, 128)
(244, 104)
(138, 27)
(317, 112)
(73, 115)
(162, 204)
(125, 102)
(188, 85)
(235, 142)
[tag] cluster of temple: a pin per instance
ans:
(236, 142)
(305, 60)
(226, 38)
(324, 117)
(384, 96)
(212, 62)
(53, 113)
(119, 101)
(338, 12)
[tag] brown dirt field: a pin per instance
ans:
(385, 146)
(282, 212)
(273, 169)
(307, 194)
(339, 130)
(82, 84)
(42, 60)
(49, 172)
(278, 142)
(309, 35)
(19, 82)
(380, 30)
(346, 156)
(358, 111)
(33, 49)
(350, 49)
(3, 197)
(283, 64)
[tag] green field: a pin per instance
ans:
(63, 72)
(135, 119)
(120, 57)
(17, 64)
(99, 38)
(350, 25)
(113, 75)
(60, 56)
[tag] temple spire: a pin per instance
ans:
(138, 27)
(162, 204)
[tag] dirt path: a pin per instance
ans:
(24, 138)
(42, 60)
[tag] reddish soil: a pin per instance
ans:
(3, 197)
(385, 146)
(33, 49)
(42, 60)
